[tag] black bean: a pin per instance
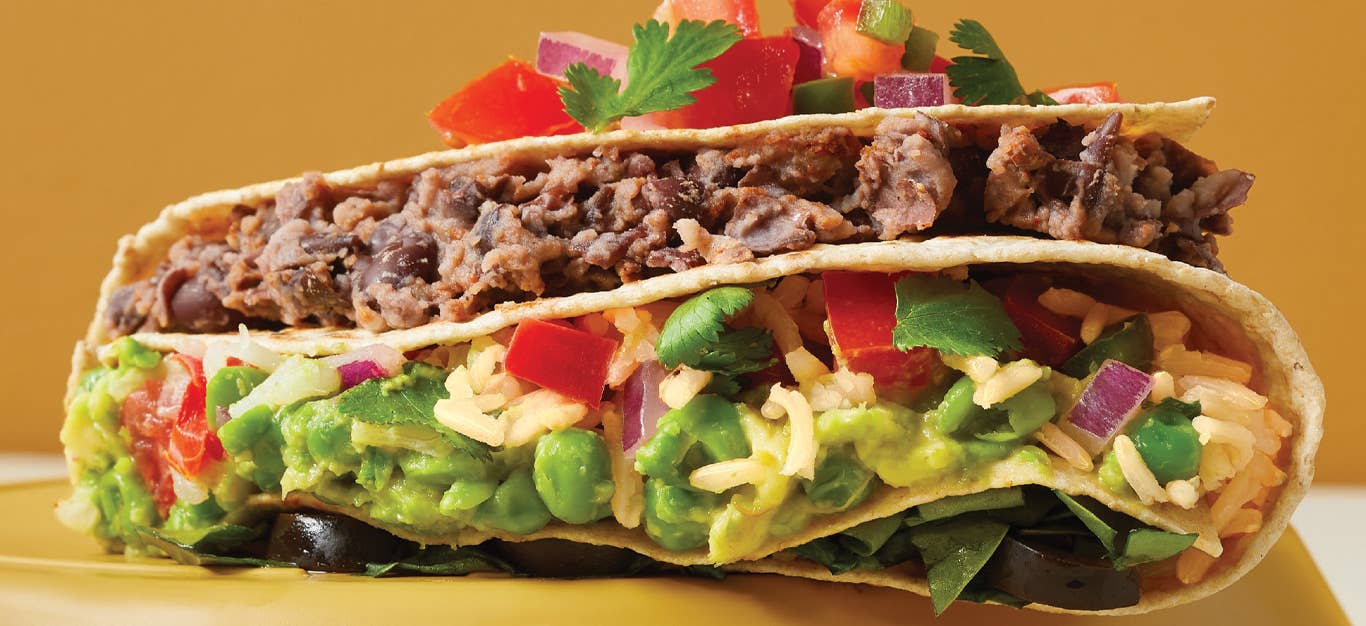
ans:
(411, 256)
(194, 308)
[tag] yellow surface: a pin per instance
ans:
(111, 110)
(50, 575)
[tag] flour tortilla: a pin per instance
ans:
(1240, 322)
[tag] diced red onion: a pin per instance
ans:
(558, 51)
(389, 360)
(912, 89)
(1106, 405)
(810, 52)
(641, 406)
(357, 372)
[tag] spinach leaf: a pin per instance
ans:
(954, 552)
(1126, 540)
(208, 546)
(868, 537)
(944, 508)
(1146, 545)
(441, 561)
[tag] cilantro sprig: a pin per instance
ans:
(988, 78)
(695, 335)
(952, 317)
(661, 73)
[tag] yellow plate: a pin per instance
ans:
(51, 575)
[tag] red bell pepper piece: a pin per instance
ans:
(561, 358)
(1094, 93)
(509, 101)
(861, 308)
(753, 83)
(849, 52)
(741, 13)
(1047, 337)
(807, 11)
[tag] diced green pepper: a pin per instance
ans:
(1129, 342)
(887, 21)
(825, 95)
(920, 46)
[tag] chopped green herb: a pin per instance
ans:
(695, 335)
(406, 399)
(952, 317)
(988, 78)
(661, 73)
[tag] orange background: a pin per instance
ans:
(109, 111)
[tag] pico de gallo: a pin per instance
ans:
(705, 63)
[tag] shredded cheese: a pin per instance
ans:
(628, 500)
(1163, 387)
(680, 386)
(1184, 493)
(1064, 446)
(463, 416)
(1192, 566)
(1169, 328)
(1136, 472)
(801, 445)
(1182, 362)
(638, 338)
(842, 389)
(791, 291)
(1011, 379)
(1243, 522)
(977, 368)
(805, 367)
(725, 475)
(768, 313)
(1066, 302)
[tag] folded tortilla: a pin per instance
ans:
(1228, 317)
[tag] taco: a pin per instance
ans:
(689, 349)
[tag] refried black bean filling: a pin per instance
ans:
(450, 243)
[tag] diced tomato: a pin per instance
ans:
(849, 52)
(939, 65)
(861, 309)
(1048, 338)
(511, 100)
(191, 443)
(807, 11)
(742, 13)
(147, 428)
(753, 83)
(561, 358)
(1094, 93)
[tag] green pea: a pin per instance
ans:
(229, 385)
(573, 475)
(1129, 341)
(957, 409)
(443, 470)
(515, 507)
(677, 518)
(840, 482)
(709, 422)
(465, 495)
(1169, 445)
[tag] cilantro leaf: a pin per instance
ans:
(409, 398)
(988, 78)
(695, 335)
(952, 317)
(738, 352)
(661, 73)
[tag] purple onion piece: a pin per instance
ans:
(1106, 405)
(357, 372)
(557, 51)
(810, 54)
(641, 406)
(913, 89)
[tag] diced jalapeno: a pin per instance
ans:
(920, 47)
(825, 95)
